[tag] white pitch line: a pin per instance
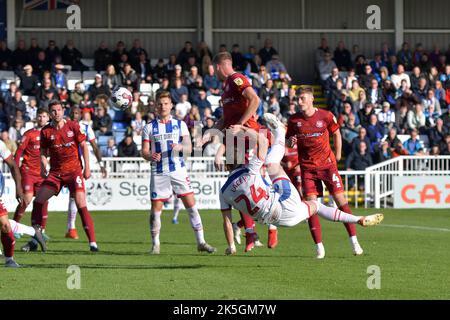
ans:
(414, 227)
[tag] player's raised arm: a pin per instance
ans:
(253, 104)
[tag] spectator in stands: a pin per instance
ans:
(348, 80)
(377, 63)
(110, 78)
(389, 92)
(72, 56)
(9, 94)
(11, 145)
(48, 96)
(143, 68)
(137, 124)
(431, 100)
(28, 81)
(431, 116)
(16, 132)
(185, 53)
(86, 104)
(129, 77)
(435, 150)
(191, 119)
(439, 93)
(425, 63)
(267, 90)
(433, 76)
(445, 149)
(366, 79)
(238, 58)
(399, 76)
(102, 57)
(359, 159)
(267, 51)
(212, 147)
(354, 93)
(349, 132)
(415, 77)
(52, 51)
(360, 65)
(165, 86)
(160, 71)
(111, 149)
(345, 115)
(285, 101)
(135, 52)
(4, 123)
(404, 56)
(365, 114)
(375, 131)
(202, 102)
(31, 111)
(386, 53)
(98, 87)
(5, 56)
(182, 107)
(127, 147)
(194, 82)
(342, 57)
(178, 90)
(416, 118)
(319, 55)
(374, 93)
(330, 82)
(359, 104)
(386, 117)
(362, 136)
(413, 145)
(178, 74)
(117, 54)
(42, 64)
(399, 150)
(59, 78)
(401, 119)
(290, 110)
(102, 121)
(437, 134)
(417, 54)
(326, 66)
(383, 153)
(13, 106)
(446, 118)
(273, 106)
(392, 139)
(19, 56)
(275, 67)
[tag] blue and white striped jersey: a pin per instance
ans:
(161, 136)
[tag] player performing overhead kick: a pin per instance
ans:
(310, 129)
(164, 141)
(60, 140)
(281, 205)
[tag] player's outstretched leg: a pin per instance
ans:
(71, 218)
(7, 239)
(351, 229)
(34, 232)
(316, 232)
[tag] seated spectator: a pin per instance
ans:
(13, 106)
(320, 52)
(72, 56)
(437, 134)
(211, 82)
(28, 81)
(76, 96)
(202, 103)
(401, 119)
(102, 121)
(391, 67)
(5, 56)
(186, 53)
(42, 64)
(356, 90)
(365, 114)
(292, 109)
(237, 57)
(362, 136)
(386, 52)
(9, 94)
(177, 74)
(194, 82)
(342, 57)
(260, 79)
(413, 145)
(326, 66)
(386, 117)
(334, 95)
(192, 118)
(274, 106)
(275, 67)
(137, 124)
(374, 93)
(267, 90)
(129, 77)
(425, 63)
(59, 78)
(111, 79)
(404, 56)
(445, 147)
(331, 82)
(359, 159)
(399, 76)
(349, 132)
(4, 122)
(392, 139)
(439, 93)
(345, 115)
(433, 76)
(178, 90)
(399, 150)
(160, 71)
(127, 148)
(366, 79)
(182, 107)
(431, 100)
(416, 118)
(389, 92)
(19, 56)
(192, 62)
(267, 52)
(446, 118)
(135, 52)
(102, 57)
(49, 96)
(421, 90)
(136, 106)
(31, 111)
(11, 145)
(375, 131)
(415, 77)
(431, 116)
(285, 101)
(348, 80)
(111, 149)
(377, 63)
(435, 150)
(144, 69)
(117, 54)
(360, 64)
(86, 104)
(52, 52)
(16, 132)
(33, 52)
(383, 153)
(98, 87)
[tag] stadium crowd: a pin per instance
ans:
(392, 104)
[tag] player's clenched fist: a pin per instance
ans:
(292, 141)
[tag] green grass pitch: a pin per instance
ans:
(411, 248)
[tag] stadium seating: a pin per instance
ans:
(119, 126)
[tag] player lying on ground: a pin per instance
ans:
(164, 142)
(86, 129)
(30, 170)
(6, 229)
(310, 129)
(60, 140)
(247, 191)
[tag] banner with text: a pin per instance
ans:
(123, 194)
(421, 192)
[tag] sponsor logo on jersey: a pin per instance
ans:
(52, 137)
(69, 134)
(99, 194)
(238, 82)
(175, 127)
(38, 138)
(299, 124)
(319, 124)
(310, 135)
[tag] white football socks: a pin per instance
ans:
(176, 207)
(196, 223)
(334, 214)
(21, 228)
(72, 214)
(155, 226)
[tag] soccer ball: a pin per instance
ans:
(121, 98)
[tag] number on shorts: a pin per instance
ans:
(336, 180)
(79, 181)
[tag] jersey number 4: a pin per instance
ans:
(257, 195)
